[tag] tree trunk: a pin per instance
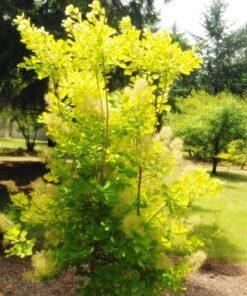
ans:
(51, 143)
(243, 164)
(216, 144)
(30, 146)
(215, 163)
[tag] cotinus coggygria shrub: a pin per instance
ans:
(105, 207)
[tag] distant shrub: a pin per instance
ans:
(208, 124)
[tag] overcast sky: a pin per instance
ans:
(187, 14)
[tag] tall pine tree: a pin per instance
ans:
(224, 52)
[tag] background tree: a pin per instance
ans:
(236, 70)
(224, 53)
(26, 109)
(20, 93)
(215, 47)
(142, 13)
(183, 86)
(207, 124)
(22, 104)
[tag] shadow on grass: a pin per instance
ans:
(22, 174)
(4, 197)
(199, 209)
(232, 177)
(216, 244)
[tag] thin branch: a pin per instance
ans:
(161, 209)
(106, 144)
(55, 89)
(158, 112)
(97, 81)
(139, 190)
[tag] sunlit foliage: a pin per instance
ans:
(236, 153)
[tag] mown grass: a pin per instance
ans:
(224, 219)
(10, 146)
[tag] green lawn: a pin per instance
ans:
(225, 217)
(17, 146)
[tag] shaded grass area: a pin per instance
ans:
(224, 219)
(10, 146)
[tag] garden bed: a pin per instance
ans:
(214, 279)
(217, 278)
(13, 284)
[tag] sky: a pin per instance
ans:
(187, 14)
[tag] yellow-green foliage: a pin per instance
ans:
(193, 186)
(105, 208)
(19, 200)
(236, 153)
(20, 245)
